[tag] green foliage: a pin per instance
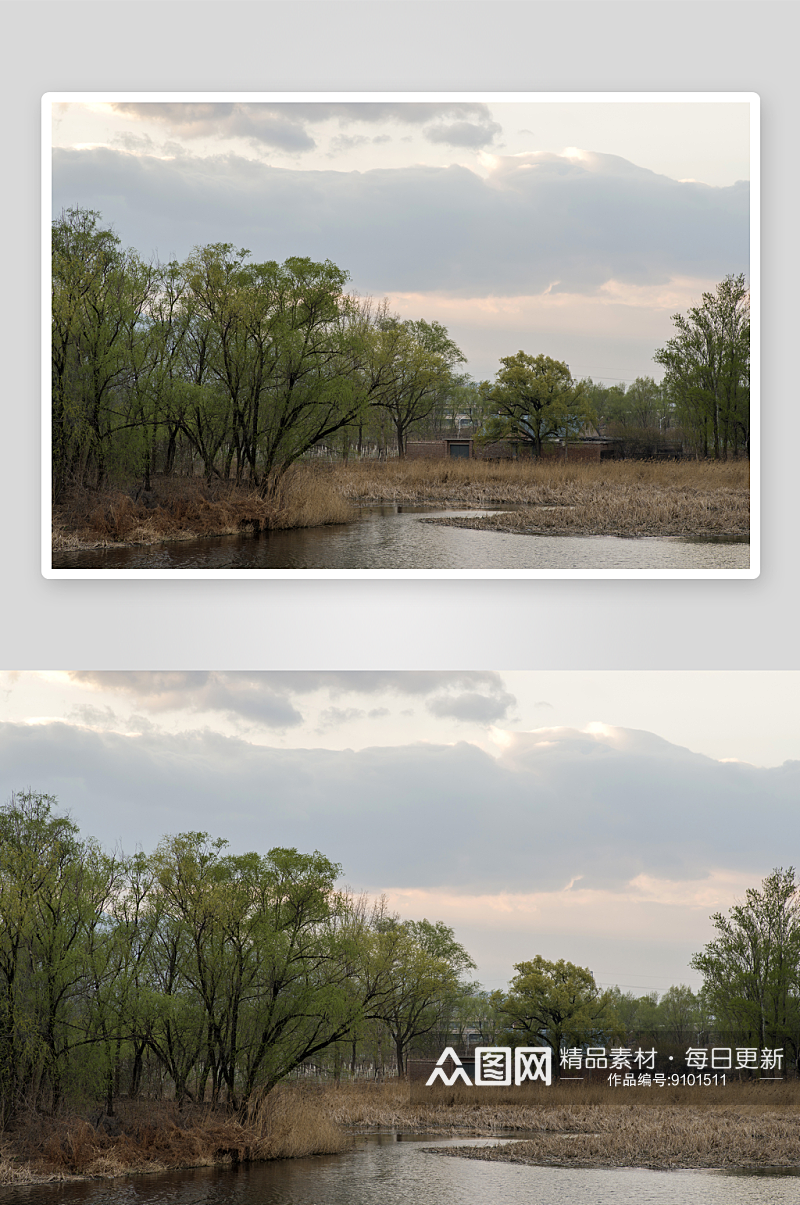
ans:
(751, 970)
(211, 973)
(707, 365)
(101, 351)
(557, 1003)
(246, 366)
(410, 370)
(418, 968)
(534, 398)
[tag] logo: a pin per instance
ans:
(493, 1067)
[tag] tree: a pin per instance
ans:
(412, 365)
(418, 970)
(750, 969)
(285, 349)
(100, 345)
(707, 367)
(556, 1003)
(680, 1014)
(55, 891)
(262, 955)
(534, 399)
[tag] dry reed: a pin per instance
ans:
(186, 509)
(151, 1137)
(747, 1124)
(629, 498)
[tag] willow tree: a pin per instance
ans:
(707, 365)
(556, 1003)
(751, 969)
(419, 970)
(412, 367)
(284, 351)
(101, 354)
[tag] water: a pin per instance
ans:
(396, 1170)
(396, 537)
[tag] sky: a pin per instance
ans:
(574, 230)
(600, 817)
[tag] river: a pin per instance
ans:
(397, 537)
(397, 1170)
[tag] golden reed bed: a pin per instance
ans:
(631, 498)
(624, 498)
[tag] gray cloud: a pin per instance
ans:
(283, 126)
(332, 717)
(247, 696)
(464, 133)
(265, 698)
(552, 806)
(176, 688)
(473, 706)
(539, 221)
(280, 129)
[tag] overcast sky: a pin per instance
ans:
(570, 229)
(599, 817)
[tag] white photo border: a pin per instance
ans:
(750, 98)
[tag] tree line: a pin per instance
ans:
(234, 367)
(237, 370)
(191, 971)
(210, 976)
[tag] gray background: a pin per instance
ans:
(442, 46)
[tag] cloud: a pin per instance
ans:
(246, 696)
(178, 689)
(464, 133)
(567, 223)
(332, 717)
(473, 706)
(94, 717)
(611, 806)
(272, 127)
(284, 126)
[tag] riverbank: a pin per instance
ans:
(741, 1125)
(616, 498)
(181, 508)
(622, 498)
(156, 1136)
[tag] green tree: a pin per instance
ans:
(55, 892)
(418, 969)
(101, 353)
(557, 1003)
(707, 369)
(411, 371)
(680, 1014)
(534, 398)
(285, 348)
(750, 969)
(265, 955)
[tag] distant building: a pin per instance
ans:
(584, 447)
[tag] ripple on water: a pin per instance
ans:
(395, 538)
(395, 1170)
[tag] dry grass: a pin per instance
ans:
(659, 1138)
(150, 1137)
(188, 508)
(748, 1124)
(630, 498)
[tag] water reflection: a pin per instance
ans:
(384, 1171)
(394, 537)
